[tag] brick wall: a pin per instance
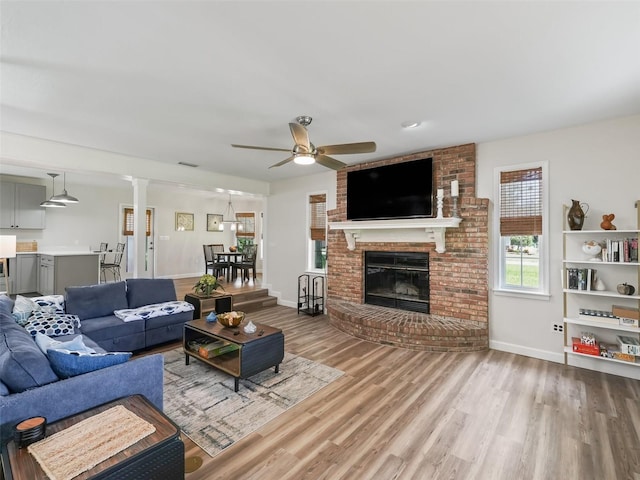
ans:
(458, 277)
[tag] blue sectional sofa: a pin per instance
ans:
(29, 386)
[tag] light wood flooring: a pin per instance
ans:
(402, 414)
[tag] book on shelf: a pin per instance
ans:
(579, 347)
(216, 348)
(621, 311)
(620, 251)
(581, 278)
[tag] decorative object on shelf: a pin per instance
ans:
(593, 249)
(233, 249)
(599, 285)
(214, 222)
(250, 327)
(455, 192)
(206, 285)
(212, 317)
(606, 222)
(439, 199)
(231, 319)
(576, 215)
(184, 221)
(626, 289)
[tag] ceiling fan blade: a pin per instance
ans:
(362, 147)
(329, 162)
(286, 160)
(300, 135)
(262, 148)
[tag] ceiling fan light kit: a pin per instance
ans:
(305, 153)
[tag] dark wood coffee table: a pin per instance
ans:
(240, 354)
(157, 456)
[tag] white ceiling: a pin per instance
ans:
(182, 80)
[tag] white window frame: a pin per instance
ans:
(500, 286)
(310, 246)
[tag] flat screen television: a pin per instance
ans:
(399, 190)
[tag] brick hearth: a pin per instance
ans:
(458, 277)
(401, 328)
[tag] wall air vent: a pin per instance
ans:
(187, 164)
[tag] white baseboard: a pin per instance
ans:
(527, 352)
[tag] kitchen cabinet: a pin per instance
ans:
(26, 273)
(20, 205)
(58, 272)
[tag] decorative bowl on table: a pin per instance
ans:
(231, 319)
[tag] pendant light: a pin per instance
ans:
(64, 197)
(51, 203)
(233, 224)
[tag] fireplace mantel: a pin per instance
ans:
(400, 230)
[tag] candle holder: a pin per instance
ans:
(439, 199)
(454, 207)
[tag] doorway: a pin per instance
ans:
(149, 252)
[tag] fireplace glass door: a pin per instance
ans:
(397, 280)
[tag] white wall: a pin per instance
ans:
(596, 164)
(286, 231)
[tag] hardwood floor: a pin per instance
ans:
(402, 414)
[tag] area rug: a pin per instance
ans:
(202, 402)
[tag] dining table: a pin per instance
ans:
(228, 258)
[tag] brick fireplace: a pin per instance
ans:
(458, 285)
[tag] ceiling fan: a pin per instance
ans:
(305, 153)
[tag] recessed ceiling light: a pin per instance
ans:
(410, 124)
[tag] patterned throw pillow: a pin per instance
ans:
(51, 324)
(50, 303)
(154, 310)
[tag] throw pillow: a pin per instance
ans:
(75, 345)
(50, 303)
(51, 324)
(67, 364)
(152, 311)
(22, 309)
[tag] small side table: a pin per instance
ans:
(217, 302)
(159, 456)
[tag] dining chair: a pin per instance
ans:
(247, 263)
(209, 259)
(113, 267)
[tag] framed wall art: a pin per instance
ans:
(184, 221)
(214, 221)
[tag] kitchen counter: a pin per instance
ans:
(59, 253)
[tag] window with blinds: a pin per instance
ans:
(247, 227)
(127, 228)
(521, 220)
(521, 202)
(318, 216)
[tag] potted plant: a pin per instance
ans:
(206, 285)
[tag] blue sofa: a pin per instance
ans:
(30, 387)
(95, 306)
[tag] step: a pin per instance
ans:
(253, 301)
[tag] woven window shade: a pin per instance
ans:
(248, 221)
(318, 215)
(127, 228)
(521, 202)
